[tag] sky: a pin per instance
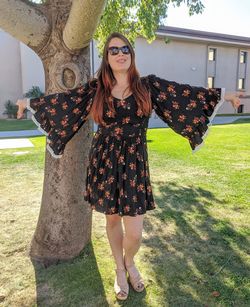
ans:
(220, 16)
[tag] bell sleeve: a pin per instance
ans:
(188, 110)
(60, 115)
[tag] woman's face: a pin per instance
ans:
(120, 62)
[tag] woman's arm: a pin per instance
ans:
(188, 110)
(60, 115)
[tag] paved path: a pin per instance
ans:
(15, 143)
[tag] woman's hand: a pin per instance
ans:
(22, 105)
(234, 98)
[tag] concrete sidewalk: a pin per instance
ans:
(15, 143)
(21, 133)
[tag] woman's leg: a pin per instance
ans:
(115, 236)
(133, 236)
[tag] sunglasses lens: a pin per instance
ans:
(125, 50)
(115, 50)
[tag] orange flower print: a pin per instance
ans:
(134, 198)
(162, 96)
(132, 166)
(75, 127)
(63, 133)
(138, 140)
(112, 209)
(121, 159)
(181, 118)
(167, 115)
(212, 103)
(186, 93)
(140, 188)
(111, 179)
(139, 112)
(54, 101)
(124, 176)
(109, 113)
(100, 201)
(202, 119)
(196, 120)
(111, 146)
(176, 105)
(171, 89)
(100, 186)
(65, 105)
(132, 183)
(131, 149)
(78, 100)
(126, 120)
(108, 162)
(188, 128)
(201, 95)
(64, 122)
(52, 123)
(76, 111)
(118, 131)
(52, 111)
(121, 103)
(126, 208)
(149, 189)
(101, 170)
(107, 194)
(191, 105)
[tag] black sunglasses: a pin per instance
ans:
(115, 50)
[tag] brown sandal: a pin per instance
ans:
(135, 278)
(121, 289)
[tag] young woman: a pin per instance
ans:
(121, 102)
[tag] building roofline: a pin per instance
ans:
(201, 36)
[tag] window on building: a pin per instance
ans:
(243, 57)
(241, 84)
(240, 108)
(210, 82)
(211, 54)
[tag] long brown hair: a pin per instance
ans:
(106, 82)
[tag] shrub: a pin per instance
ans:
(10, 109)
(34, 92)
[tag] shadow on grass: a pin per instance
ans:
(72, 283)
(201, 255)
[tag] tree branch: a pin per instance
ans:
(24, 22)
(82, 22)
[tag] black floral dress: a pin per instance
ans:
(118, 179)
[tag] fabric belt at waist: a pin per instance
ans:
(123, 131)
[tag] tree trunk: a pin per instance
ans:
(64, 224)
(59, 32)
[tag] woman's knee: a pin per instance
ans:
(134, 236)
(113, 220)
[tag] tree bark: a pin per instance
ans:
(65, 219)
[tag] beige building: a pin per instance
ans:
(186, 56)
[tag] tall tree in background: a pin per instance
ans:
(59, 32)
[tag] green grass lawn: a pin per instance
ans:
(16, 125)
(195, 249)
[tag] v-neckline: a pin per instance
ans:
(122, 98)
